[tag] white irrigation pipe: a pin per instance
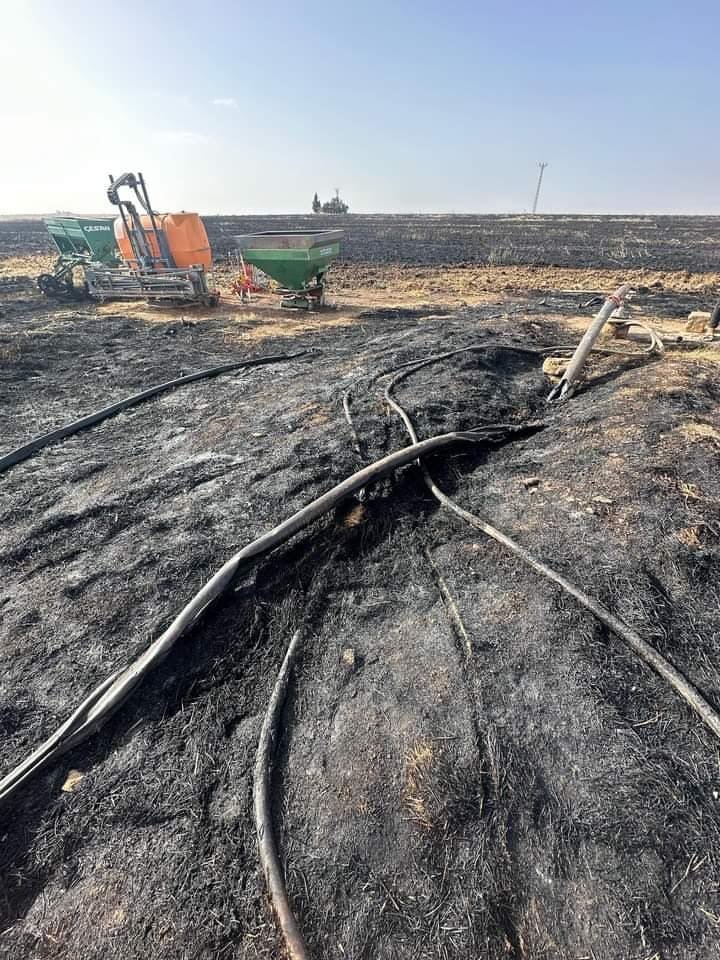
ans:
(565, 388)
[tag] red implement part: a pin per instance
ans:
(245, 283)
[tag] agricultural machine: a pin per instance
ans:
(297, 260)
(79, 241)
(164, 258)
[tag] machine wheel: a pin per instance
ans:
(51, 287)
(61, 289)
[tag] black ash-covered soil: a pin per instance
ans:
(539, 794)
(612, 242)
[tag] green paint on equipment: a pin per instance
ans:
(297, 260)
(85, 238)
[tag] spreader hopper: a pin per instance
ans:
(297, 259)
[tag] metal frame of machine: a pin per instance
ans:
(175, 286)
(148, 275)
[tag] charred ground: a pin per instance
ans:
(645, 242)
(540, 795)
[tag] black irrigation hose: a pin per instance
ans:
(112, 693)
(262, 801)
(477, 348)
(267, 847)
(37, 443)
(686, 690)
(374, 377)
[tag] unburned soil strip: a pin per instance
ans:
(38, 443)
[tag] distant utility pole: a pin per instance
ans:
(539, 184)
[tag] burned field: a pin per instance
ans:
(470, 764)
(611, 242)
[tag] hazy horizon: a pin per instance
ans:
(407, 108)
(617, 215)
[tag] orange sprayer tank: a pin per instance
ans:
(186, 238)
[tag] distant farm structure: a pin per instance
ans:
(335, 205)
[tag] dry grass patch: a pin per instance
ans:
(356, 516)
(689, 537)
(696, 432)
(416, 781)
(441, 793)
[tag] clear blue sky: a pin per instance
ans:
(240, 107)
